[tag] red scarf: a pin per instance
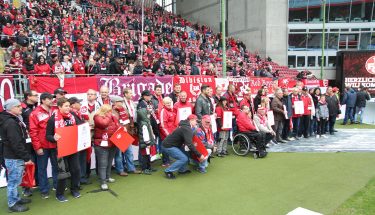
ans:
(60, 119)
(209, 135)
(123, 115)
(262, 119)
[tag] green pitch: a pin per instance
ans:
(233, 185)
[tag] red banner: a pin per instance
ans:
(257, 83)
(6, 89)
(287, 83)
(192, 84)
(71, 85)
(315, 83)
(241, 85)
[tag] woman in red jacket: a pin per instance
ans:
(42, 68)
(223, 133)
(167, 124)
(105, 125)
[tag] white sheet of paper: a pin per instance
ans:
(227, 119)
(213, 124)
(104, 143)
(84, 136)
(286, 115)
(3, 179)
(183, 113)
(270, 118)
(298, 107)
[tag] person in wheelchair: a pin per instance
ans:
(261, 122)
(247, 127)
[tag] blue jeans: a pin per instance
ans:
(295, 121)
(122, 159)
(359, 112)
(349, 114)
(313, 126)
(42, 169)
(181, 160)
(15, 170)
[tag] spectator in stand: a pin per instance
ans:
(61, 118)
(79, 65)
(176, 91)
(322, 115)
(172, 145)
(279, 113)
(42, 68)
(67, 67)
(28, 67)
(44, 149)
(203, 103)
(195, 69)
(105, 126)
(349, 99)
(306, 117)
(13, 134)
(362, 96)
(333, 108)
(223, 132)
(246, 126)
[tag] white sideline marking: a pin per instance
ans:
(303, 211)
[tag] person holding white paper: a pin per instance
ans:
(182, 108)
(295, 97)
(260, 121)
(105, 126)
(305, 118)
(222, 129)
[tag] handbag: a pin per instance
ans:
(28, 179)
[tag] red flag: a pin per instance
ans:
(73, 139)
(200, 148)
(122, 139)
(28, 179)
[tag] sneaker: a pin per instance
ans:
(292, 138)
(317, 136)
(61, 198)
(23, 201)
(44, 195)
(165, 164)
(104, 187)
(255, 155)
(220, 155)
(225, 153)
(76, 194)
(325, 136)
(27, 193)
(184, 172)
(170, 175)
(202, 170)
(111, 180)
(147, 172)
(18, 208)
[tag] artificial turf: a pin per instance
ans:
(233, 185)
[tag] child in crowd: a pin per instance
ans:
(322, 115)
(223, 132)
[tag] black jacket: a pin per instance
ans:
(26, 111)
(362, 96)
(182, 135)
(13, 137)
(333, 105)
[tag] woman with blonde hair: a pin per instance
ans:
(105, 126)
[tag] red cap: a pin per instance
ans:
(335, 89)
(206, 118)
(192, 117)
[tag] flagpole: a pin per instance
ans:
(224, 62)
(143, 20)
(322, 61)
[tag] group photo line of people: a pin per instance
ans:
(163, 126)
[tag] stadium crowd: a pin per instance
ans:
(105, 37)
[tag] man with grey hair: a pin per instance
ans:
(279, 114)
(104, 96)
(13, 136)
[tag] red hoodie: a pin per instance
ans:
(167, 122)
(244, 123)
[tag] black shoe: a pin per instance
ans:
(184, 172)
(332, 133)
(85, 182)
(153, 170)
(18, 208)
(24, 201)
(225, 153)
(220, 155)
(170, 175)
(335, 130)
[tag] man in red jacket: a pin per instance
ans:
(45, 150)
(246, 126)
(182, 103)
(79, 65)
(232, 104)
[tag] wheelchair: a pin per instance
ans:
(242, 145)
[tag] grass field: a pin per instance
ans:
(233, 185)
(353, 126)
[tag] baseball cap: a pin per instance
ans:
(73, 100)
(59, 91)
(117, 99)
(206, 118)
(44, 96)
(146, 93)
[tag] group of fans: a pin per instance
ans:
(28, 131)
(105, 37)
